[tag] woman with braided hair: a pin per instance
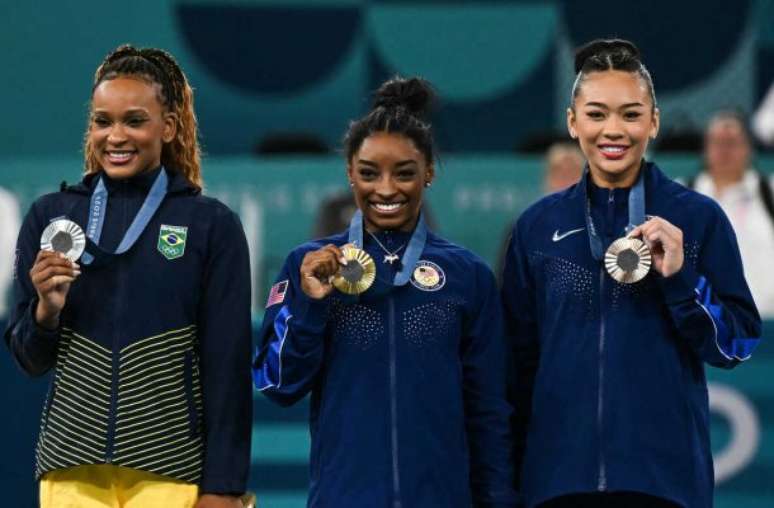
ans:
(134, 289)
(404, 358)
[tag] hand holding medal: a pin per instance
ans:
(357, 274)
(346, 268)
(628, 260)
(665, 241)
(55, 268)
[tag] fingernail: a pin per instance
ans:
(77, 272)
(343, 260)
(76, 265)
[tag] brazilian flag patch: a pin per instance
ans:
(172, 241)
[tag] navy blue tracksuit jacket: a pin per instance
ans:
(151, 361)
(407, 382)
(611, 376)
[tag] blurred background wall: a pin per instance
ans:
(277, 83)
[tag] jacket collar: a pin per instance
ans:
(178, 184)
(654, 178)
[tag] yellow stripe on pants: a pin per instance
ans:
(108, 486)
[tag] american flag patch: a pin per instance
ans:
(277, 293)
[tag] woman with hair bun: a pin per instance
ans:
(617, 291)
(397, 335)
(135, 290)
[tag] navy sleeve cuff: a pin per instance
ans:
(679, 287)
(40, 332)
(34, 347)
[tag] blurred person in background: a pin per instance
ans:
(617, 291)
(9, 230)
(563, 166)
(745, 194)
(406, 375)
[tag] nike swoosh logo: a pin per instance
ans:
(564, 235)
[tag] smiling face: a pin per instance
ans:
(613, 119)
(128, 126)
(388, 175)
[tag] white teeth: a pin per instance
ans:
(119, 156)
(386, 207)
(613, 149)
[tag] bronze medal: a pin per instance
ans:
(627, 260)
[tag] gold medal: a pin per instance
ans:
(628, 260)
(358, 274)
(64, 236)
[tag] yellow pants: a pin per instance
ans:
(108, 486)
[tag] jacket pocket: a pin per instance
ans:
(193, 411)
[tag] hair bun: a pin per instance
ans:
(606, 49)
(414, 94)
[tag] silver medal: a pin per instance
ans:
(64, 236)
(628, 260)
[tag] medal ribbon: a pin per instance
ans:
(98, 209)
(414, 249)
(636, 211)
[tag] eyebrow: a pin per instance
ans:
(398, 164)
(128, 112)
(623, 106)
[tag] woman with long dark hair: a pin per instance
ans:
(617, 291)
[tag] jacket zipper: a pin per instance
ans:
(602, 476)
(116, 336)
(394, 410)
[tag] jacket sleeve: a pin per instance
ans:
(522, 340)
(486, 410)
(225, 343)
(290, 353)
(709, 301)
(33, 347)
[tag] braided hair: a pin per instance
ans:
(400, 106)
(183, 153)
(610, 54)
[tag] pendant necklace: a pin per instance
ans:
(389, 257)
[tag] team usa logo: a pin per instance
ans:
(171, 242)
(428, 276)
